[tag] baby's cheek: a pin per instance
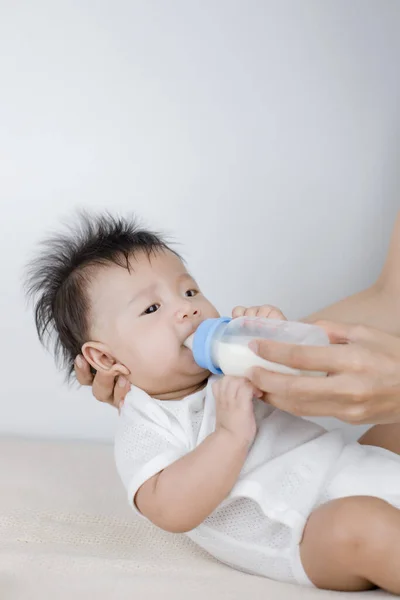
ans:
(163, 356)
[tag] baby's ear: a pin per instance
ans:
(100, 358)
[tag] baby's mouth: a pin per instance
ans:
(189, 336)
(188, 343)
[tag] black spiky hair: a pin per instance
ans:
(57, 278)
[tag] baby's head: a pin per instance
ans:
(118, 294)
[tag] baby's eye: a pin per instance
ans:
(191, 293)
(151, 309)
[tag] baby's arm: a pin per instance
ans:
(181, 496)
(187, 492)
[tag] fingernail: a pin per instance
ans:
(253, 346)
(79, 362)
(121, 382)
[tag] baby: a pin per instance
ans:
(261, 490)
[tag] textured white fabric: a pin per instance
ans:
(66, 532)
(291, 468)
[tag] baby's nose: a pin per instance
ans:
(186, 312)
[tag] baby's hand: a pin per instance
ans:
(266, 311)
(234, 407)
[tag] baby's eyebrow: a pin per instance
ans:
(141, 293)
(184, 276)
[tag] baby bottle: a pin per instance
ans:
(221, 345)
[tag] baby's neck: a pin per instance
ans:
(180, 394)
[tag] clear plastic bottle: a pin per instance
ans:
(221, 345)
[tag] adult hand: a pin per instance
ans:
(105, 388)
(363, 383)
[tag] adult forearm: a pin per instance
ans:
(377, 306)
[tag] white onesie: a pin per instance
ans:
(292, 467)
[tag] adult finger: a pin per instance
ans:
(82, 371)
(346, 411)
(121, 389)
(344, 397)
(306, 408)
(375, 339)
(103, 386)
(333, 358)
(340, 333)
(295, 388)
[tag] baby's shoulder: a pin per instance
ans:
(139, 407)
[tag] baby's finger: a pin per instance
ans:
(216, 386)
(252, 311)
(270, 312)
(82, 371)
(241, 386)
(238, 311)
(252, 390)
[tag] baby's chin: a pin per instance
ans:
(184, 378)
(188, 365)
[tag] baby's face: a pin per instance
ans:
(141, 319)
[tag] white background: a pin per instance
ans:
(263, 135)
